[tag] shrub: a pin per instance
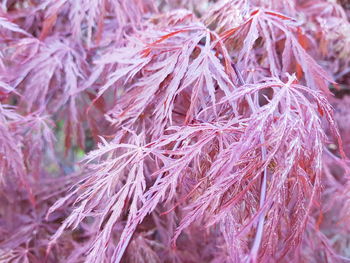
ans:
(174, 131)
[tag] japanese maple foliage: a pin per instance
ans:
(174, 131)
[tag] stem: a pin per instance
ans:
(259, 231)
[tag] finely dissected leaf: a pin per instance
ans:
(274, 29)
(86, 19)
(225, 171)
(169, 71)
